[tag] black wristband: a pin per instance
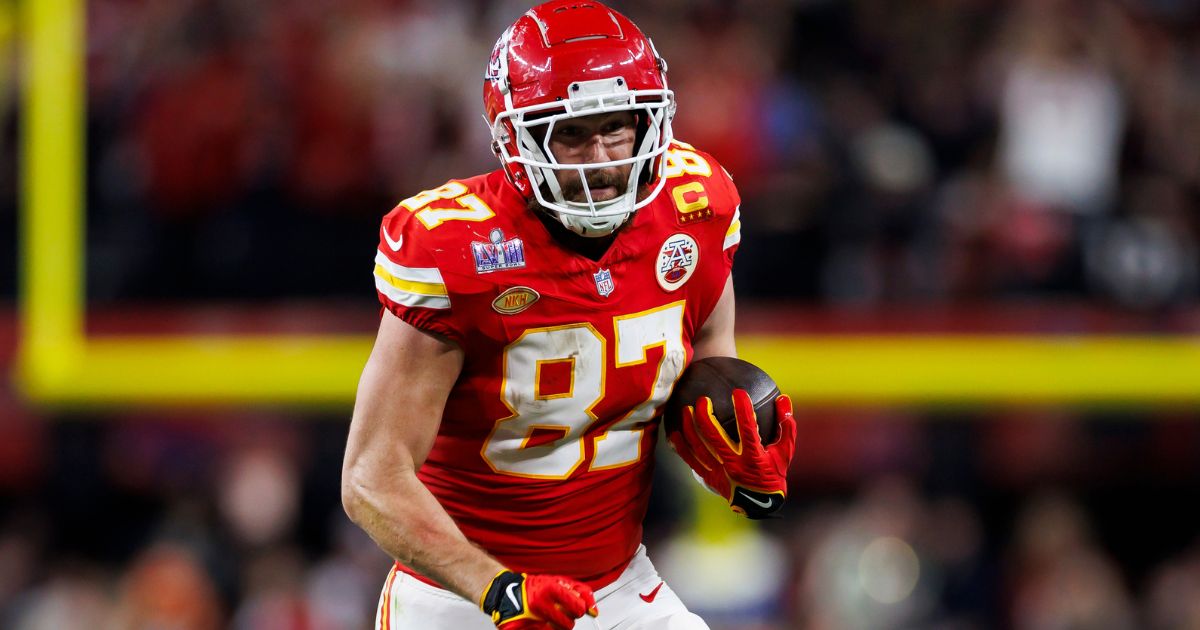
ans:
(756, 505)
(505, 596)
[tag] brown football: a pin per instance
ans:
(717, 377)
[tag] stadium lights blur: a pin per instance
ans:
(59, 365)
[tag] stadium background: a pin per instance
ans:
(970, 249)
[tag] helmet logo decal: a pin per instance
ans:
(497, 68)
(676, 261)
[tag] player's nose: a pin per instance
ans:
(596, 150)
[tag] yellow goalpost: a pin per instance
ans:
(59, 365)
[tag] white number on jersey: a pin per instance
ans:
(471, 207)
(570, 414)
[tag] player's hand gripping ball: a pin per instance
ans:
(717, 377)
(719, 417)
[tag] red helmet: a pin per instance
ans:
(569, 58)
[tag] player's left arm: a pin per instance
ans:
(715, 337)
(751, 476)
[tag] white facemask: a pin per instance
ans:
(589, 217)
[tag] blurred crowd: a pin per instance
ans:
(887, 151)
(955, 521)
(191, 524)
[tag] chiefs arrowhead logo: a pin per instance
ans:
(676, 261)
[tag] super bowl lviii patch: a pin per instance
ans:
(498, 253)
(676, 261)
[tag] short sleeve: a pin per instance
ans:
(733, 228)
(407, 279)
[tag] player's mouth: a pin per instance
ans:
(602, 186)
(603, 193)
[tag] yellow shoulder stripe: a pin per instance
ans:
(409, 286)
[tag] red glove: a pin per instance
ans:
(517, 601)
(752, 478)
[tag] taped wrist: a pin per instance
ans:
(505, 596)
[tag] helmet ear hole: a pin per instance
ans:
(646, 172)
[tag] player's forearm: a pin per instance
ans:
(407, 522)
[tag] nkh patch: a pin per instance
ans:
(604, 282)
(676, 261)
(515, 300)
(498, 253)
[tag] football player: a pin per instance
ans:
(536, 319)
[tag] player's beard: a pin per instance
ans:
(572, 190)
(593, 248)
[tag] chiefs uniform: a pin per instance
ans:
(543, 456)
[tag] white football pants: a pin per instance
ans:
(637, 600)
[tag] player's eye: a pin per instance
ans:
(615, 126)
(568, 132)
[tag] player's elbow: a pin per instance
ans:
(354, 495)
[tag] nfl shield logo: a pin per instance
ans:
(604, 282)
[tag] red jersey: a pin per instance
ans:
(543, 456)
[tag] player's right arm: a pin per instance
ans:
(416, 360)
(397, 411)
(401, 396)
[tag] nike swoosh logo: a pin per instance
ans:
(762, 504)
(513, 596)
(649, 597)
(396, 244)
